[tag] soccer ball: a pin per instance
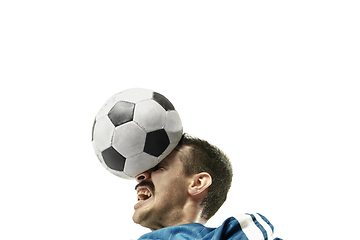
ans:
(135, 130)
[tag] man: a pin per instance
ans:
(178, 196)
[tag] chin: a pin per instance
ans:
(137, 217)
(143, 220)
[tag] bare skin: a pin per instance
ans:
(167, 197)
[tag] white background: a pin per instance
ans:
(272, 83)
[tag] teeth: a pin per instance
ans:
(143, 192)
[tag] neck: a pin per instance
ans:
(190, 213)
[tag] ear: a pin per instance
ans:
(200, 183)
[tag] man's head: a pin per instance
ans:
(189, 185)
(204, 157)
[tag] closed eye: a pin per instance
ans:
(157, 167)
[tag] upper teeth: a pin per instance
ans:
(147, 193)
(143, 192)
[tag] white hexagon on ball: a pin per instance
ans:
(128, 139)
(102, 133)
(150, 115)
(173, 126)
(140, 163)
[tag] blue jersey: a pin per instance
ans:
(242, 227)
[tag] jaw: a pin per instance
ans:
(150, 215)
(143, 207)
(143, 204)
(144, 213)
(153, 215)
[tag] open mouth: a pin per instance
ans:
(143, 194)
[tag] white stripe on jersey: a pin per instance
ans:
(265, 226)
(248, 226)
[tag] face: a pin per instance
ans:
(162, 193)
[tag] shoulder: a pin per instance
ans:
(238, 227)
(255, 226)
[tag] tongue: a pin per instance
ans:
(143, 197)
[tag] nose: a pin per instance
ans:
(143, 176)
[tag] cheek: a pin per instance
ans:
(169, 185)
(169, 188)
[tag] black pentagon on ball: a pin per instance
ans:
(163, 101)
(121, 112)
(156, 142)
(113, 159)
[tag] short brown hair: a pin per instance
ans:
(204, 157)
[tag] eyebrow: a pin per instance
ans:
(176, 149)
